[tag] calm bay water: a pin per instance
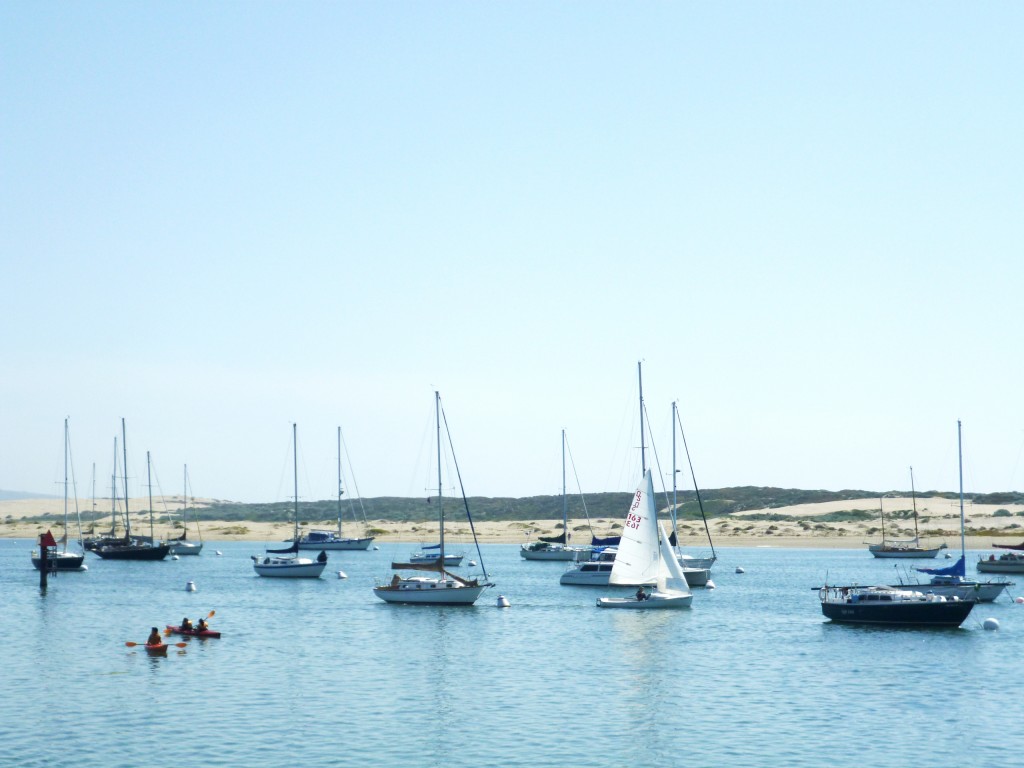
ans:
(321, 673)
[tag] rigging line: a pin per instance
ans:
(696, 487)
(74, 486)
(462, 490)
(579, 489)
(654, 450)
(352, 472)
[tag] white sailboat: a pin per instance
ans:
(181, 545)
(445, 588)
(904, 549)
(556, 547)
(646, 556)
(62, 559)
(330, 539)
(286, 563)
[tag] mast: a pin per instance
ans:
(675, 472)
(184, 501)
(960, 460)
(913, 500)
(295, 472)
(340, 491)
(565, 501)
(881, 513)
(113, 494)
(124, 449)
(65, 484)
(643, 455)
(440, 505)
(149, 482)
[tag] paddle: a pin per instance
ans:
(130, 644)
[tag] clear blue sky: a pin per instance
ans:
(220, 218)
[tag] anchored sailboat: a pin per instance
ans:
(904, 548)
(445, 588)
(62, 559)
(181, 545)
(556, 547)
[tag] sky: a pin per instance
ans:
(220, 219)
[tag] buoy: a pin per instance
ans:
(472, 562)
(710, 584)
(502, 602)
(1018, 600)
(219, 552)
(375, 547)
(84, 568)
(190, 587)
(949, 556)
(174, 557)
(342, 575)
(991, 624)
(739, 570)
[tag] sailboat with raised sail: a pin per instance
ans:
(62, 559)
(904, 548)
(338, 541)
(645, 556)
(286, 563)
(445, 588)
(556, 547)
(181, 545)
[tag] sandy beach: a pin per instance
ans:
(938, 522)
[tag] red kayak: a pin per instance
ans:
(193, 632)
(156, 650)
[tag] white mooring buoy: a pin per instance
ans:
(375, 548)
(991, 624)
(219, 552)
(1018, 600)
(739, 569)
(175, 557)
(190, 587)
(342, 575)
(710, 584)
(472, 563)
(502, 602)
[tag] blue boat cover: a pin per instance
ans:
(293, 548)
(553, 539)
(956, 569)
(610, 541)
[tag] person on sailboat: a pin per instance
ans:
(640, 594)
(155, 638)
(186, 624)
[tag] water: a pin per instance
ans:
(322, 673)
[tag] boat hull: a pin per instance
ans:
(978, 591)
(951, 613)
(450, 561)
(430, 592)
(156, 650)
(555, 552)
(904, 553)
(133, 552)
(183, 548)
(1001, 566)
(294, 568)
(655, 602)
(334, 545)
(598, 575)
(59, 561)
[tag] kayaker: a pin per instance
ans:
(154, 637)
(186, 624)
(202, 626)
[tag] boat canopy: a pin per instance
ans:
(553, 539)
(293, 548)
(610, 541)
(956, 569)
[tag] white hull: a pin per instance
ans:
(599, 576)
(656, 600)
(335, 545)
(181, 548)
(904, 552)
(555, 552)
(978, 591)
(288, 567)
(696, 562)
(450, 561)
(1013, 564)
(429, 591)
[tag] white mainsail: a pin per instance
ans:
(639, 560)
(671, 577)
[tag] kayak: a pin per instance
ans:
(193, 632)
(156, 650)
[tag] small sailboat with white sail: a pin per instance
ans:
(445, 588)
(556, 547)
(286, 563)
(645, 556)
(338, 541)
(61, 558)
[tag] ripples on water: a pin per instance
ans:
(322, 673)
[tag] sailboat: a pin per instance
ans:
(181, 545)
(556, 547)
(645, 555)
(134, 547)
(901, 605)
(286, 563)
(62, 559)
(698, 569)
(330, 539)
(904, 548)
(445, 588)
